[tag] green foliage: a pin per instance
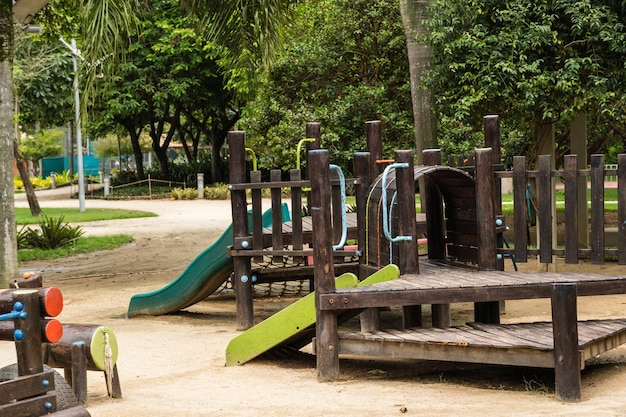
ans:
(184, 193)
(345, 63)
(530, 62)
(217, 192)
(45, 143)
(81, 245)
(172, 85)
(111, 146)
(52, 233)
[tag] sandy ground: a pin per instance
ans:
(174, 365)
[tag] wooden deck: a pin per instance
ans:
(524, 344)
(439, 283)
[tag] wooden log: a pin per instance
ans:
(50, 301)
(51, 330)
(327, 340)
(101, 352)
(98, 341)
(27, 280)
(565, 333)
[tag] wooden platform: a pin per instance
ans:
(439, 283)
(526, 344)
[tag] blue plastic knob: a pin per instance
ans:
(245, 244)
(18, 334)
(499, 222)
(244, 278)
(254, 278)
(18, 306)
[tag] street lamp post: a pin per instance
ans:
(79, 141)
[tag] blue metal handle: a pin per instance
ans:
(386, 226)
(344, 223)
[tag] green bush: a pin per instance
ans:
(217, 192)
(184, 194)
(52, 234)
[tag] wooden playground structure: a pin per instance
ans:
(31, 388)
(462, 219)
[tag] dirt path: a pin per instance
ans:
(174, 365)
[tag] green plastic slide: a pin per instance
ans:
(295, 324)
(202, 277)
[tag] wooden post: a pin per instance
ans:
(79, 371)
(277, 214)
(370, 318)
(597, 209)
(374, 143)
(521, 219)
(621, 209)
(570, 165)
(257, 215)
(578, 143)
(566, 354)
(432, 205)
(241, 265)
(327, 339)
(296, 214)
(545, 197)
(408, 261)
(28, 347)
(488, 312)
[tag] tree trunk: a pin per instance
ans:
(35, 210)
(8, 235)
(414, 14)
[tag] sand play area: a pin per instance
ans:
(173, 365)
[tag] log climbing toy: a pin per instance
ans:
(34, 390)
(98, 346)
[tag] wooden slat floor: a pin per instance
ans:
(484, 343)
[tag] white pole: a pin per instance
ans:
(79, 141)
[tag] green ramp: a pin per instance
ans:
(202, 277)
(295, 322)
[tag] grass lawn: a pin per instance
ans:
(82, 244)
(73, 215)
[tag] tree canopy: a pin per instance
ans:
(345, 63)
(531, 62)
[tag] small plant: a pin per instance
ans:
(190, 194)
(177, 193)
(535, 385)
(17, 183)
(52, 233)
(184, 193)
(217, 192)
